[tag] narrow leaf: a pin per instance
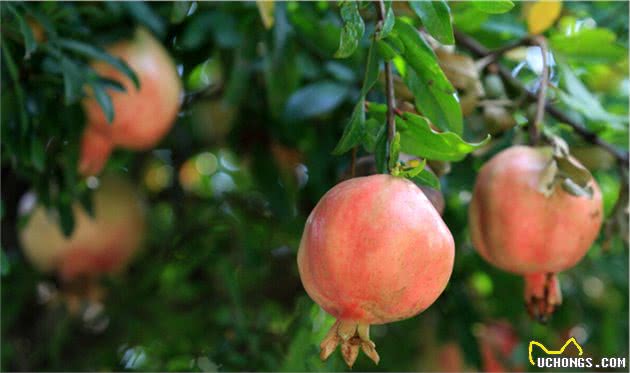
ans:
(27, 34)
(394, 151)
(388, 24)
(315, 99)
(179, 11)
(380, 151)
(266, 8)
(493, 6)
(436, 18)
(73, 81)
(427, 178)
(91, 51)
(435, 96)
(419, 139)
(352, 31)
(142, 13)
(103, 99)
(354, 131)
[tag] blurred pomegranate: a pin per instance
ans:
(99, 245)
(142, 116)
(518, 228)
(497, 342)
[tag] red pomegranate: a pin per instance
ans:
(100, 245)
(141, 116)
(515, 227)
(374, 250)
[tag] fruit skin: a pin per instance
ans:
(518, 229)
(515, 227)
(374, 250)
(141, 116)
(100, 245)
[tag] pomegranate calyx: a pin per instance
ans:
(542, 295)
(352, 336)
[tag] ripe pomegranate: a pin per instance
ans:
(515, 227)
(373, 251)
(141, 116)
(100, 245)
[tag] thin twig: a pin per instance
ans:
(479, 50)
(534, 128)
(389, 89)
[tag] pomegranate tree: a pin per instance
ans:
(98, 245)
(142, 116)
(521, 227)
(374, 250)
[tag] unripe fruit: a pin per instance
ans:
(515, 227)
(141, 116)
(373, 251)
(100, 245)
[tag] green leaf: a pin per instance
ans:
(352, 31)
(385, 50)
(436, 18)
(493, 6)
(373, 129)
(435, 96)
(142, 13)
(66, 217)
(388, 24)
(72, 81)
(103, 99)
(371, 71)
(443, 110)
(179, 11)
(91, 51)
(354, 131)
(315, 99)
(588, 45)
(580, 99)
(419, 139)
(428, 178)
(27, 34)
(380, 151)
(38, 154)
(394, 151)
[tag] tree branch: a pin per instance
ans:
(534, 129)
(389, 89)
(481, 51)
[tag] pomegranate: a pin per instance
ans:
(519, 229)
(497, 342)
(100, 245)
(142, 116)
(373, 251)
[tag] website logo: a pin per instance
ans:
(555, 360)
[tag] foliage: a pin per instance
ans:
(261, 138)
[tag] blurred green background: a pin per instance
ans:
(216, 287)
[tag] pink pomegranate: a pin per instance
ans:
(100, 245)
(141, 116)
(374, 250)
(515, 227)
